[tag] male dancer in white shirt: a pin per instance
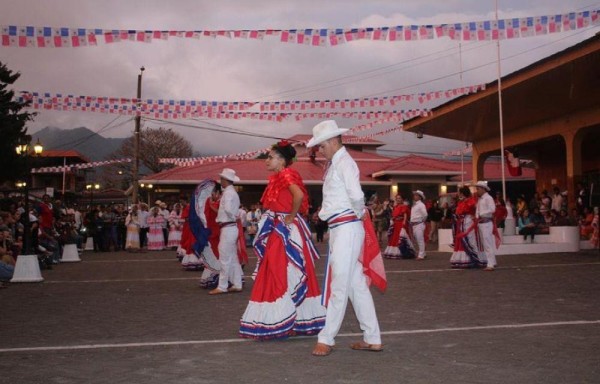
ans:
(343, 207)
(418, 217)
(485, 215)
(231, 270)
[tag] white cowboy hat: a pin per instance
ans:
(482, 184)
(229, 174)
(323, 131)
(157, 202)
(420, 193)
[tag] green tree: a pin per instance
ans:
(154, 144)
(13, 128)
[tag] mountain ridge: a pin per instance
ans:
(81, 139)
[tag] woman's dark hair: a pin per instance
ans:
(465, 191)
(286, 150)
(217, 188)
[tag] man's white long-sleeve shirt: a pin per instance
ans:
(485, 206)
(229, 206)
(418, 212)
(341, 188)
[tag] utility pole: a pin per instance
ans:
(136, 141)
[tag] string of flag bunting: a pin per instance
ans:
(510, 28)
(71, 167)
(457, 152)
(277, 110)
(369, 101)
(175, 111)
(191, 161)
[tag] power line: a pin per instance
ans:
(481, 65)
(214, 129)
(358, 74)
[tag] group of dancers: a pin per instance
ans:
(286, 299)
(476, 237)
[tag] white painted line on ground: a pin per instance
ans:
(239, 340)
(121, 280)
(174, 260)
(130, 261)
(320, 275)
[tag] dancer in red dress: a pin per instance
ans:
(467, 252)
(285, 299)
(399, 244)
(200, 235)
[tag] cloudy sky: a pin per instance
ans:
(223, 69)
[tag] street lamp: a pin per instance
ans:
(24, 150)
(91, 188)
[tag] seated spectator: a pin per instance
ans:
(501, 213)
(535, 201)
(557, 200)
(526, 225)
(546, 202)
(595, 239)
(521, 206)
(538, 219)
(7, 261)
(547, 221)
(7, 268)
(563, 219)
(585, 224)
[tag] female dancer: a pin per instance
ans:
(285, 299)
(200, 231)
(132, 222)
(466, 247)
(399, 244)
(175, 227)
(156, 239)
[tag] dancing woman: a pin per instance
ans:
(466, 248)
(285, 299)
(200, 237)
(175, 227)
(399, 244)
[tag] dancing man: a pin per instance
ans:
(231, 270)
(486, 224)
(418, 217)
(343, 207)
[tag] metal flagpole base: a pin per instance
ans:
(70, 254)
(89, 244)
(510, 227)
(27, 270)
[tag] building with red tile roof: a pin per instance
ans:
(378, 174)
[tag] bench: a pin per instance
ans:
(560, 239)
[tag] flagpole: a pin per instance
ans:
(64, 176)
(501, 120)
(462, 155)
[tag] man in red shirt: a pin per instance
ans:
(46, 237)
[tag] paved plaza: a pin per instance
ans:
(139, 318)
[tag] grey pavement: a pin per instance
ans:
(139, 318)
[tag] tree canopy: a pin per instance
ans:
(13, 128)
(154, 144)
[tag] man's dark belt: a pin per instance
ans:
(483, 220)
(227, 224)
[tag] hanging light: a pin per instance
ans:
(38, 148)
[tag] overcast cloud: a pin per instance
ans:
(224, 69)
